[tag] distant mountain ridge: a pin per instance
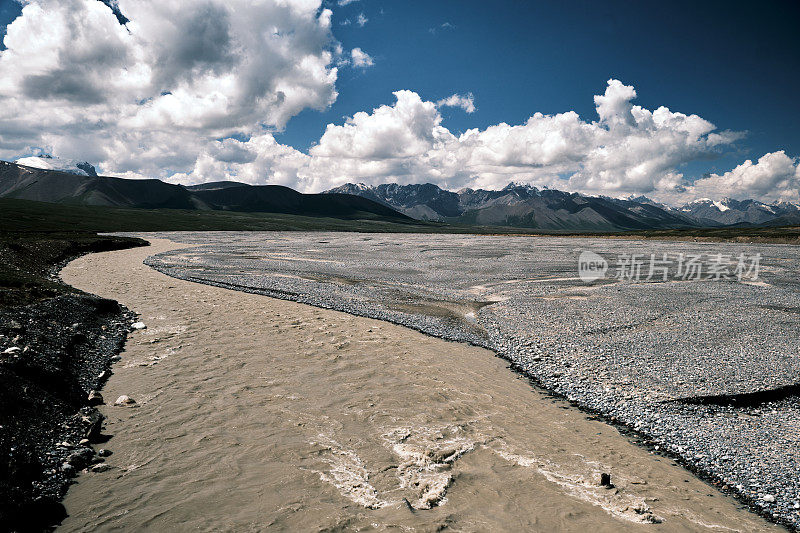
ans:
(527, 206)
(729, 211)
(516, 205)
(54, 186)
(46, 162)
(521, 206)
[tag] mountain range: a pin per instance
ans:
(516, 205)
(749, 212)
(549, 209)
(56, 186)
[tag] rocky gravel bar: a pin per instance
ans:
(704, 370)
(56, 349)
(48, 423)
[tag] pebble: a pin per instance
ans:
(138, 325)
(769, 498)
(95, 398)
(100, 467)
(125, 400)
(12, 350)
(605, 480)
(80, 457)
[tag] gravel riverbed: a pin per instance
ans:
(706, 370)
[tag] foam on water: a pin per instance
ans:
(586, 488)
(422, 470)
(426, 455)
(348, 474)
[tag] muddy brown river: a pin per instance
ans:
(254, 414)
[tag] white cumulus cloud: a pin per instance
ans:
(145, 97)
(774, 177)
(627, 150)
(465, 102)
(360, 58)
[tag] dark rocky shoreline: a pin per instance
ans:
(56, 346)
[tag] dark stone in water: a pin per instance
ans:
(80, 458)
(94, 427)
(605, 480)
(95, 398)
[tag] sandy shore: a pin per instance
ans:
(255, 413)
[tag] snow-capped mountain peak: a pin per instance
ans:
(732, 211)
(722, 206)
(46, 162)
(517, 185)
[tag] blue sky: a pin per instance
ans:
(736, 64)
(244, 90)
(9, 10)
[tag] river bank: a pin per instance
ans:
(56, 346)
